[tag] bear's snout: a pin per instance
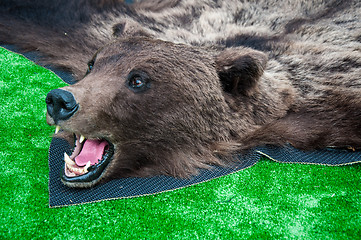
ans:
(61, 104)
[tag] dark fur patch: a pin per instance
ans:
(332, 8)
(261, 43)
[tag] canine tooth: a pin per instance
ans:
(68, 160)
(87, 165)
(57, 129)
(85, 169)
(81, 138)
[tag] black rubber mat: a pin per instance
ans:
(328, 156)
(60, 195)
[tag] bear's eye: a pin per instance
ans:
(138, 81)
(90, 67)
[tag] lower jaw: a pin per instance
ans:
(93, 176)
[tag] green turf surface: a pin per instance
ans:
(268, 201)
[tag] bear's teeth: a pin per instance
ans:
(82, 138)
(68, 160)
(75, 170)
(87, 166)
(71, 166)
(57, 129)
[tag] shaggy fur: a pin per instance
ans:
(222, 76)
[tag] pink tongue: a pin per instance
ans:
(92, 151)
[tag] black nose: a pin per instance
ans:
(61, 104)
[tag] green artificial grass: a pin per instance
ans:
(267, 201)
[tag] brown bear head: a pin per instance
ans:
(150, 107)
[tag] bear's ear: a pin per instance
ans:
(128, 28)
(239, 70)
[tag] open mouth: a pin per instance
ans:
(87, 163)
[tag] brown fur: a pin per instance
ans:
(224, 77)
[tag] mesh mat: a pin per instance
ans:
(328, 156)
(60, 195)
